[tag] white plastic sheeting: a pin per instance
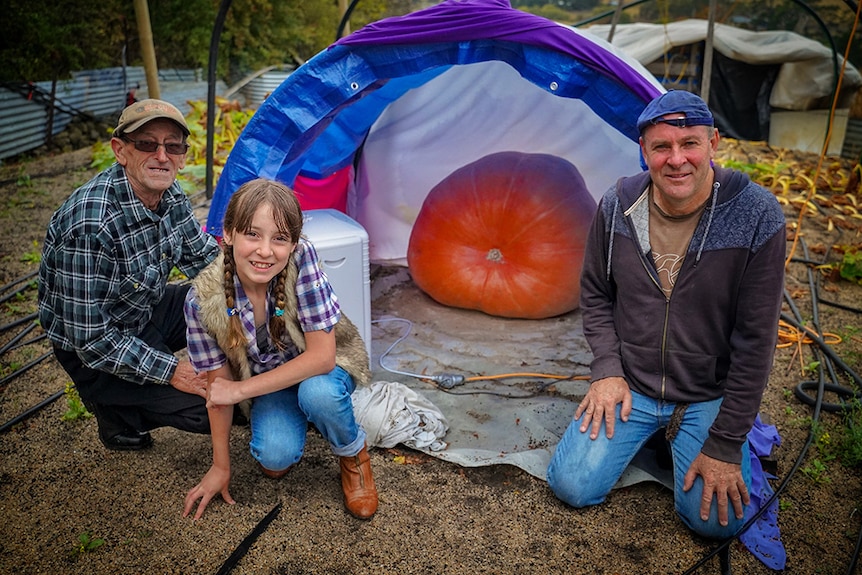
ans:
(807, 70)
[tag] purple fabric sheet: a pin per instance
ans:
(465, 20)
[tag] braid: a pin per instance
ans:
(276, 322)
(235, 336)
(238, 217)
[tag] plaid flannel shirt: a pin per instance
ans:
(317, 308)
(105, 265)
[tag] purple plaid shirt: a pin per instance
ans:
(317, 307)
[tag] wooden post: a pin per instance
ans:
(615, 20)
(342, 8)
(148, 51)
(707, 54)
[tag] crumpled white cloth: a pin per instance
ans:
(392, 413)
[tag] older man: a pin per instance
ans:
(104, 298)
(681, 292)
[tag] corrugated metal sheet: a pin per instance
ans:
(98, 93)
(256, 91)
(177, 75)
(852, 149)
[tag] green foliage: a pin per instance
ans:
(47, 40)
(86, 543)
(260, 33)
(850, 267)
(561, 4)
(849, 444)
(756, 170)
(816, 471)
(176, 275)
(552, 12)
(23, 180)
(34, 256)
(812, 367)
(75, 407)
(103, 155)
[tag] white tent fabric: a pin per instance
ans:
(807, 71)
(479, 109)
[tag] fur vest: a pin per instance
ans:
(350, 352)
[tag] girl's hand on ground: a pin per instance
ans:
(215, 481)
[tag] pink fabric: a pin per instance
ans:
(329, 192)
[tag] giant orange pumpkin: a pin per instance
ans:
(504, 235)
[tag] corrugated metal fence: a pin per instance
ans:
(24, 109)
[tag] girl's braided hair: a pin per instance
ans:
(238, 217)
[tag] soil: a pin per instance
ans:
(59, 486)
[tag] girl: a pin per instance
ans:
(265, 325)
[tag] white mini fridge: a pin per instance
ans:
(342, 246)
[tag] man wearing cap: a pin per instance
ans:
(104, 298)
(680, 297)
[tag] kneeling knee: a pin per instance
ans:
(275, 461)
(275, 457)
(572, 494)
(712, 529)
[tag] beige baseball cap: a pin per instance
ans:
(139, 113)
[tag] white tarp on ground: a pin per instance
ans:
(807, 71)
(482, 425)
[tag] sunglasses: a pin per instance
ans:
(149, 147)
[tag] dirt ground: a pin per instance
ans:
(59, 486)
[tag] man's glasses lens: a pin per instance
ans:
(148, 146)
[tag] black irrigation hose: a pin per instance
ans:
(720, 550)
(18, 322)
(17, 338)
(29, 341)
(825, 348)
(18, 419)
(344, 19)
(19, 280)
(10, 295)
(841, 306)
(846, 395)
(821, 386)
(21, 370)
(215, 37)
(246, 544)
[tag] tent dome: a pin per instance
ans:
(403, 102)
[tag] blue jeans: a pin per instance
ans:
(279, 420)
(583, 471)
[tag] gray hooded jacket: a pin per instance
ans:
(715, 335)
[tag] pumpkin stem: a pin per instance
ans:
(494, 255)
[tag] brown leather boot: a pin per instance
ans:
(360, 494)
(274, 474)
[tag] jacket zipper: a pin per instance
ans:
(663, 328)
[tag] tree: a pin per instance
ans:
(47, 40)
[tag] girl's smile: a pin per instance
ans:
(261, 252)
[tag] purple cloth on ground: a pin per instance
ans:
(763, 538)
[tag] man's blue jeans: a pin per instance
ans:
(583, 471)
(279, 420)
